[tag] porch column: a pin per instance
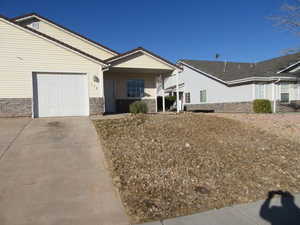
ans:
(163, 101)
(163, 92)
(177, 92)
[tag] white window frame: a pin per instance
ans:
(262, 91)
(189, 98)
(36, 25)
(137, 89)
(288, 92)
(205, 91)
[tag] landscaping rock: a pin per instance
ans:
(174, 165)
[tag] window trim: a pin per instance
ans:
(142, 94)
(288, 92)
(263, 91)
(36, 25)
(205, 91)
(189, 98)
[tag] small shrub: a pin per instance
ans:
(138, 107)
(262, 106)
(170, 101)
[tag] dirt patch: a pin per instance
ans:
(285, 125)
(173, 165)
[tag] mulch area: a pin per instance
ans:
(173, 165)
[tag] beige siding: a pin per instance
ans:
(121, 83)
(144, 61)
(73, 40)
(23, 53)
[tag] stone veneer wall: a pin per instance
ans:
(123, 105)
(293, 106)
(243, 107)
(222, 107)
(15, 107)
(96, 106)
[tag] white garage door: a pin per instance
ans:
(61, 95)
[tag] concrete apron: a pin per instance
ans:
(54, 173)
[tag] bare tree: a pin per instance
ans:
(289, 19)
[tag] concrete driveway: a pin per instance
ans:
(52, 171)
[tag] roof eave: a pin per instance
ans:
(27, 16)
(51, 39)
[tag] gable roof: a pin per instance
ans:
(231, 71)
(35, 15)
(55, 40)
(117, 58)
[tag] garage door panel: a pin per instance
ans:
(62, 95)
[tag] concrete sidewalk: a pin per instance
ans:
(277, 213)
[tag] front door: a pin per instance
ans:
(109, 92)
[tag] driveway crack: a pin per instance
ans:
(13, 140)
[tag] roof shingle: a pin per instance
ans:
(229, 71)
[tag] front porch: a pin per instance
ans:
(124, 86)
(134, 76)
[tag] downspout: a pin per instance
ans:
(177, 92)
(274, 95)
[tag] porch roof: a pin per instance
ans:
(140, 59)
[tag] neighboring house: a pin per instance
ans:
(48, 70)
(232, 87)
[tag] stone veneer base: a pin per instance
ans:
(22, 107)
(96, 106)
(15, 107)
(241, 107)
(245, 107)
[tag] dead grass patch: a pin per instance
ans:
(172, 165)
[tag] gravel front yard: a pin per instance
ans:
(172, 165)
(285, 125)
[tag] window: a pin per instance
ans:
(203, 96)
(35, 25)
(259, 91)
(284, 93)
(187, 97)
(135, 88)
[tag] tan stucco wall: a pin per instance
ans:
(73, 40)
(144, 61)
(22, 53)
(121, 83)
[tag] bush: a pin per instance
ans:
(262, 106)
(169, 101)
(138, 107)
